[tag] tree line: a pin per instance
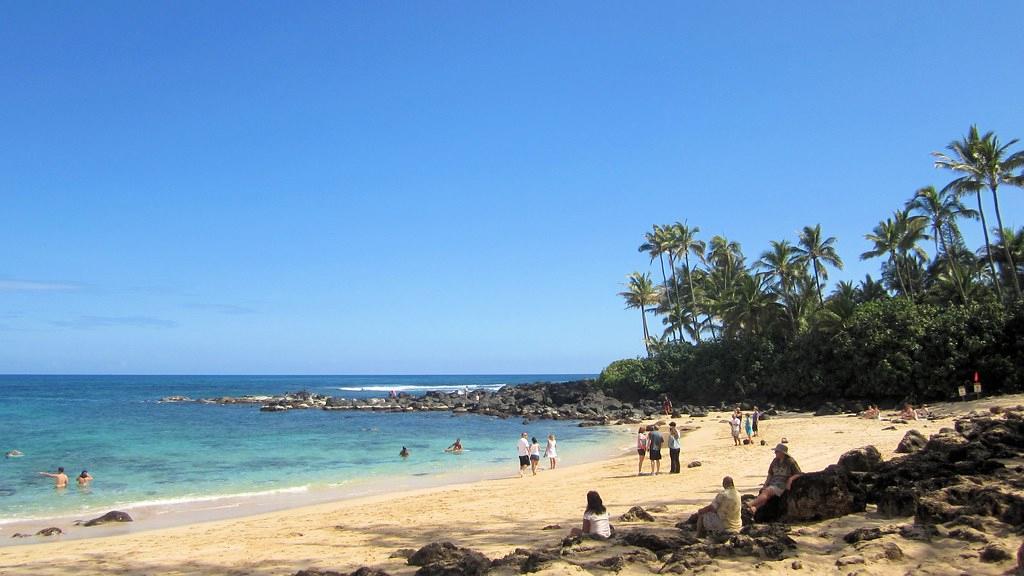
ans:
(937, 313)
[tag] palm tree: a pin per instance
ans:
(910, 231)
(984, 164)
(818, 252)
(657, 244)
(1013, 244)
(838, 309)
(941, 209)
(886, 238)
(783, 263)
(684, 241)
(752, 306)
(641, 293)
(868, 290)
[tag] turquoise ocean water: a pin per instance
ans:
(145, 453)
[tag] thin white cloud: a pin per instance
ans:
(30, 286)
(230, 309)
(93, 322)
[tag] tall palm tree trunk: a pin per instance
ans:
(988, 250)
(899, 276)
(1006, 245)
(675, 288)
(817, 284)
(647, 336)
(693, 297)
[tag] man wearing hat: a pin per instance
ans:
(781, 473)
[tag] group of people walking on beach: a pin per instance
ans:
(529, 453)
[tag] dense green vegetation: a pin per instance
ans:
(772, 330)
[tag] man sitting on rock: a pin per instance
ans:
(723, 514)
(781, 473)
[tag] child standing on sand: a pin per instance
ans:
(749, 429)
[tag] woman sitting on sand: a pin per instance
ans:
(871, 413)
(595, 519)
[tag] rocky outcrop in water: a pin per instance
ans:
(580, 400)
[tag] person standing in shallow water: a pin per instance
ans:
(60, 479)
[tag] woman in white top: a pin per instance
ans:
(595, 519)
(549, 451)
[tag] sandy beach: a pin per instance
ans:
(496, 516)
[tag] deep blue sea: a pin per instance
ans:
(142, 452)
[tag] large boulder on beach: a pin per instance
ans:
(864, 459)
(912, 442)
(445, 558)
(112, 516)
(823, 495)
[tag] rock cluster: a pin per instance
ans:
(580, 400)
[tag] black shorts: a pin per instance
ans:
(654, 455)
(524, 460)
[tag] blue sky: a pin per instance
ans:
(378, 187)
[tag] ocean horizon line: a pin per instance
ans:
(310, 374)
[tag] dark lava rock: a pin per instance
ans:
(636, 514)
(994, 553)
(367, 571)
(113, 516)
(536, 560)
(864, 459)
(822, 495)
(897, 501)
(402, 553)
(693, 464)
(967, 535)
(552, 527)
(317, 572)
(656, 542)
(912, 442)
(919, 532)
(862, 534)
(445, 558)
(51, 531)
